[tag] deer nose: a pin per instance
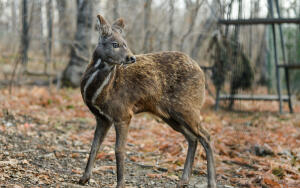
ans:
(131, 59)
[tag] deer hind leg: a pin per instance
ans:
(121, 135)
(204, 138)
(211, 172)
(192, 129)
(102, 128)
(192, 147)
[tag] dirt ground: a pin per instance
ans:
(45, 138)
(47, 156)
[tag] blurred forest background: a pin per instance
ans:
(45, 132)
(47, 35)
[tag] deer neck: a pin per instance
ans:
(96, 78)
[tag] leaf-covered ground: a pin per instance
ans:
(45, 138)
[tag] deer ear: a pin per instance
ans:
(119, 25)
(103, 26)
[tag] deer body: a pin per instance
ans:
(169, 85)
(156, 83)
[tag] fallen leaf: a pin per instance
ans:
(271, 183)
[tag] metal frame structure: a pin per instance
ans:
(285, 65)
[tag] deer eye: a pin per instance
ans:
(115, 45)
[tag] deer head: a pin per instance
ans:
(112, 48)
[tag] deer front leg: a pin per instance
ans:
(188, 165)
(101, 130)
(121, 135)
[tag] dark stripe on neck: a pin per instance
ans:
(103, 71)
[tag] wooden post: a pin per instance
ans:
(256, 21)
(276, 57)
(286, 70)
(271, 20)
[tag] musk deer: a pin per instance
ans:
(116, 85)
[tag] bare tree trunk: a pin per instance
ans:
(25, 35)
(250, 31)
(233, 89)
(1, 8)
(147, 22)
(228, 17)
(298, 42)
(116, 9)
(50, 35)
(171, 25)
(261, 60)
(209, 24)
(200, 38)
(23, 58)
(64, 25)
(13, 16)
(193, 16)
(38, 19)
(80, 50)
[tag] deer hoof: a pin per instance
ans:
(84, 179)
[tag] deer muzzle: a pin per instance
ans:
(130, 59)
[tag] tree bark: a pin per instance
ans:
(38, 19)
(80, 52)
(64, 25)
(261, 63)
(171, 25)
(13, 17)
(50, 34)
(25, 35)
(250, 32)
(193, 16)
(1, 8)
(200, 38)
(228, 17)
(233, 89)
(116, 9)
(209, 24)
(298, 42)
(147, 21)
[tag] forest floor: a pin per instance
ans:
(45, 138)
